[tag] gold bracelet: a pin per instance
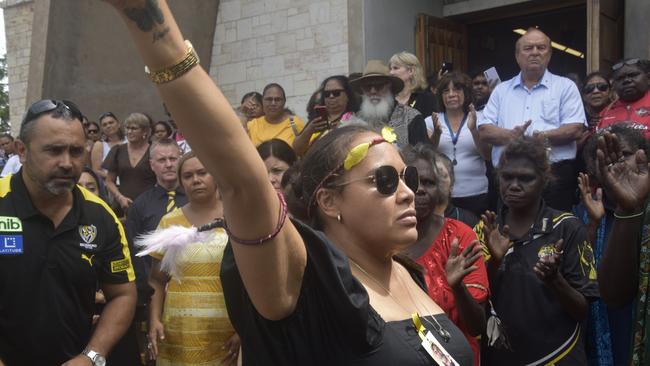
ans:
(177, 70)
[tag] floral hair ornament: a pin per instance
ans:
(354, 157)
(359, 152)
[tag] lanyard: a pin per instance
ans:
(454, 138)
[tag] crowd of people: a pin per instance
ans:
(455, 221)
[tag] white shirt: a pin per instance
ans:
(470, 168)
(553, 102)
(12, 166)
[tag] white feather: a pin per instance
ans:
(171, 242)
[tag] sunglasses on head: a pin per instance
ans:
(588, 89)
(48, 105)
(332, 93)
(386, 179)
(632, 61)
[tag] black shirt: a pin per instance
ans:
(423, 101)
(467, 217)
(144, 215)
(417, 130)
(333, 322)
(538, 328)
(48, 275)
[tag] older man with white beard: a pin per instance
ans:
(379, 108)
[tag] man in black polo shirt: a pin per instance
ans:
(57, 241)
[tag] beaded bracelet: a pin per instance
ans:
(176, 70)
(282, 218)
(623, 217)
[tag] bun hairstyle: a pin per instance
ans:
(325, 157)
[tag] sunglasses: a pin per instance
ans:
(588, 89)
(386, 179)
(48, 105)
(332, 93)
(629, 62)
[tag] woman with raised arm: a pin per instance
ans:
(295, 295)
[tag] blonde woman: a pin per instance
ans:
(188, 320)
(407, 67)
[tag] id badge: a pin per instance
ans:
(437, 351)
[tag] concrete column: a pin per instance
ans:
(637, 32)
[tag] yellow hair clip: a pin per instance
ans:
(359, 152)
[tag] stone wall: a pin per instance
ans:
(296, 43)
(19, 16)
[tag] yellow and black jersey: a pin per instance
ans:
(48, 275)
(540, 331)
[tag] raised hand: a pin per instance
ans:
(497, 243)
(594, 205)
(437, 129)
(318, 124)
(471, 118)
(459, 266)
(626, 178)
(547, 267)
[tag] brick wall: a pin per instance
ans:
(296, 43)
(18, 29)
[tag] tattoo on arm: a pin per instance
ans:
(148, 18)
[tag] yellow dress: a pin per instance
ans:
(194, 314)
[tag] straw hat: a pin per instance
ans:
(375, 71)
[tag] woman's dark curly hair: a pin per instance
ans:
(531, 149)
(321, 167)
(461, 81)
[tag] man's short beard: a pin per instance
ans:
(376, 114)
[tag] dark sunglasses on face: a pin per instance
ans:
(386, 179)
(588, 89)
(632, 61)
(48, 105)
(333, 93)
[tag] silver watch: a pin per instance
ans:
(96, 358)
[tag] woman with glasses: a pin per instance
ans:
(596, 95)
(129, 162)
(111, 135)
(339, 102)
(407, 67)
(329, 292)
(540, 265)
(277, 122)
(456, 134)
(448, 250)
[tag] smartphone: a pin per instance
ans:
(447, 66)
(492, 76)
(321, 111)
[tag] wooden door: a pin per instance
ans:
(604, 34)
(439, 40)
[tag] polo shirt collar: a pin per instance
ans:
(25, 208)
(545, 81)
(543, 223)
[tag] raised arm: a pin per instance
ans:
(272, 272)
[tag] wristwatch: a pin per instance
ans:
(96, 358)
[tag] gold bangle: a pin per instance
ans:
(177, 70)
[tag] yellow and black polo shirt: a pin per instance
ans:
(48, 276)
(540, 331)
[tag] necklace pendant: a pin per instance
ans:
(455, 162)
(444, 334)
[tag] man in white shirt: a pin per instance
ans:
(540, 104)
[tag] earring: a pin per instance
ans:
(338, 217)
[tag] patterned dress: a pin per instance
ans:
(194, 314)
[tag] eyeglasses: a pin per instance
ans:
(133, 128)
(332, 93)
(376, 85)
(632, 61)
(588, 89)
(386, 179)
(48, 105)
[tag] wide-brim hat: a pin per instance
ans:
(376, 70)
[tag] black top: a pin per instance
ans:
(417, 131)
(467, 217)
(133, 179)
(48, 276)
(333, 323)
(144, 215)
(423, 101)
(539, 329)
